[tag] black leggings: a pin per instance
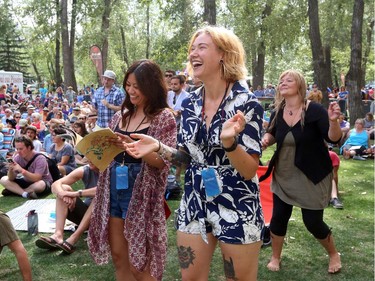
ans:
(313, 219)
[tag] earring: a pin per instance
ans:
(221, 61)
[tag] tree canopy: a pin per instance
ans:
(275, 35)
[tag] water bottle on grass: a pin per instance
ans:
(32, 223)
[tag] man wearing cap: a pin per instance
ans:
(22, 125)
(108, 99)
(27, 115)
(70, 94)
(31, 132)
(75, 115)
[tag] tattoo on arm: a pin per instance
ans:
(186, 256)
(229, 271)
(177, 157)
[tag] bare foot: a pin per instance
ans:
(58, 239)
(274, 264)
(334, 263)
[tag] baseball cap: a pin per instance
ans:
(109, 74)
(11, 121)
(45, 109)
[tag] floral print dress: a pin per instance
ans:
(235, 215)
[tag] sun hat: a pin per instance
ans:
(31, 128)
(109, 74)
(23, 123)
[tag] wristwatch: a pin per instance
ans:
(232, 147)
(80, 193)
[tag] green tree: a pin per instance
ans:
(13, 55)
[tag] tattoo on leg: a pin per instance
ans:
(229, 269)
(185, 256)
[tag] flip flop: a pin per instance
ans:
(67, 247)
(46, 243)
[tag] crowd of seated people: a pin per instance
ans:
(41, 127)
(357, 143)
(46, 121)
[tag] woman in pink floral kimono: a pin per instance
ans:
(128, 219)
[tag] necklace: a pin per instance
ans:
(127, 126)
(204, 116)
(291, 113)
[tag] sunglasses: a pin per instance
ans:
(168, 75)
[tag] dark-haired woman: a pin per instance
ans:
(80, 128)
(62, 152)
(128, 219)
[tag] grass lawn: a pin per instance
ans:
(303, 257)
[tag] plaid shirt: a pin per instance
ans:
(115, 97)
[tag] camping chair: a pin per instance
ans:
(8, 140)
(266, 196)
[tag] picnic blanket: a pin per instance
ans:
(45, 208)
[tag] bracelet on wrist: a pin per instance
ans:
(80, 193)
(232, 147)
(157, 151)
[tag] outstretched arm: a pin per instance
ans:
(146, 144)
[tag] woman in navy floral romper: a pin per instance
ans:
(219, 143)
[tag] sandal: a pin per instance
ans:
(46, 243)
(67, 247)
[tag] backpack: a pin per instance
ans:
(173, 189)
(52, 166)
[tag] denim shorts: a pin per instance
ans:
(120, 198)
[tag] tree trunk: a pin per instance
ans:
(148, 30)
(72, 43)
(105, 31)
(369, 31)
(69, 77)
(260, 58)
(57, 71)
(258, 67)
(209, 14)
(322, 70)
(38, 77)
(124, 48)
(354, 76)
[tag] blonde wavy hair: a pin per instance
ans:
(279, 102)
(233, 63)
